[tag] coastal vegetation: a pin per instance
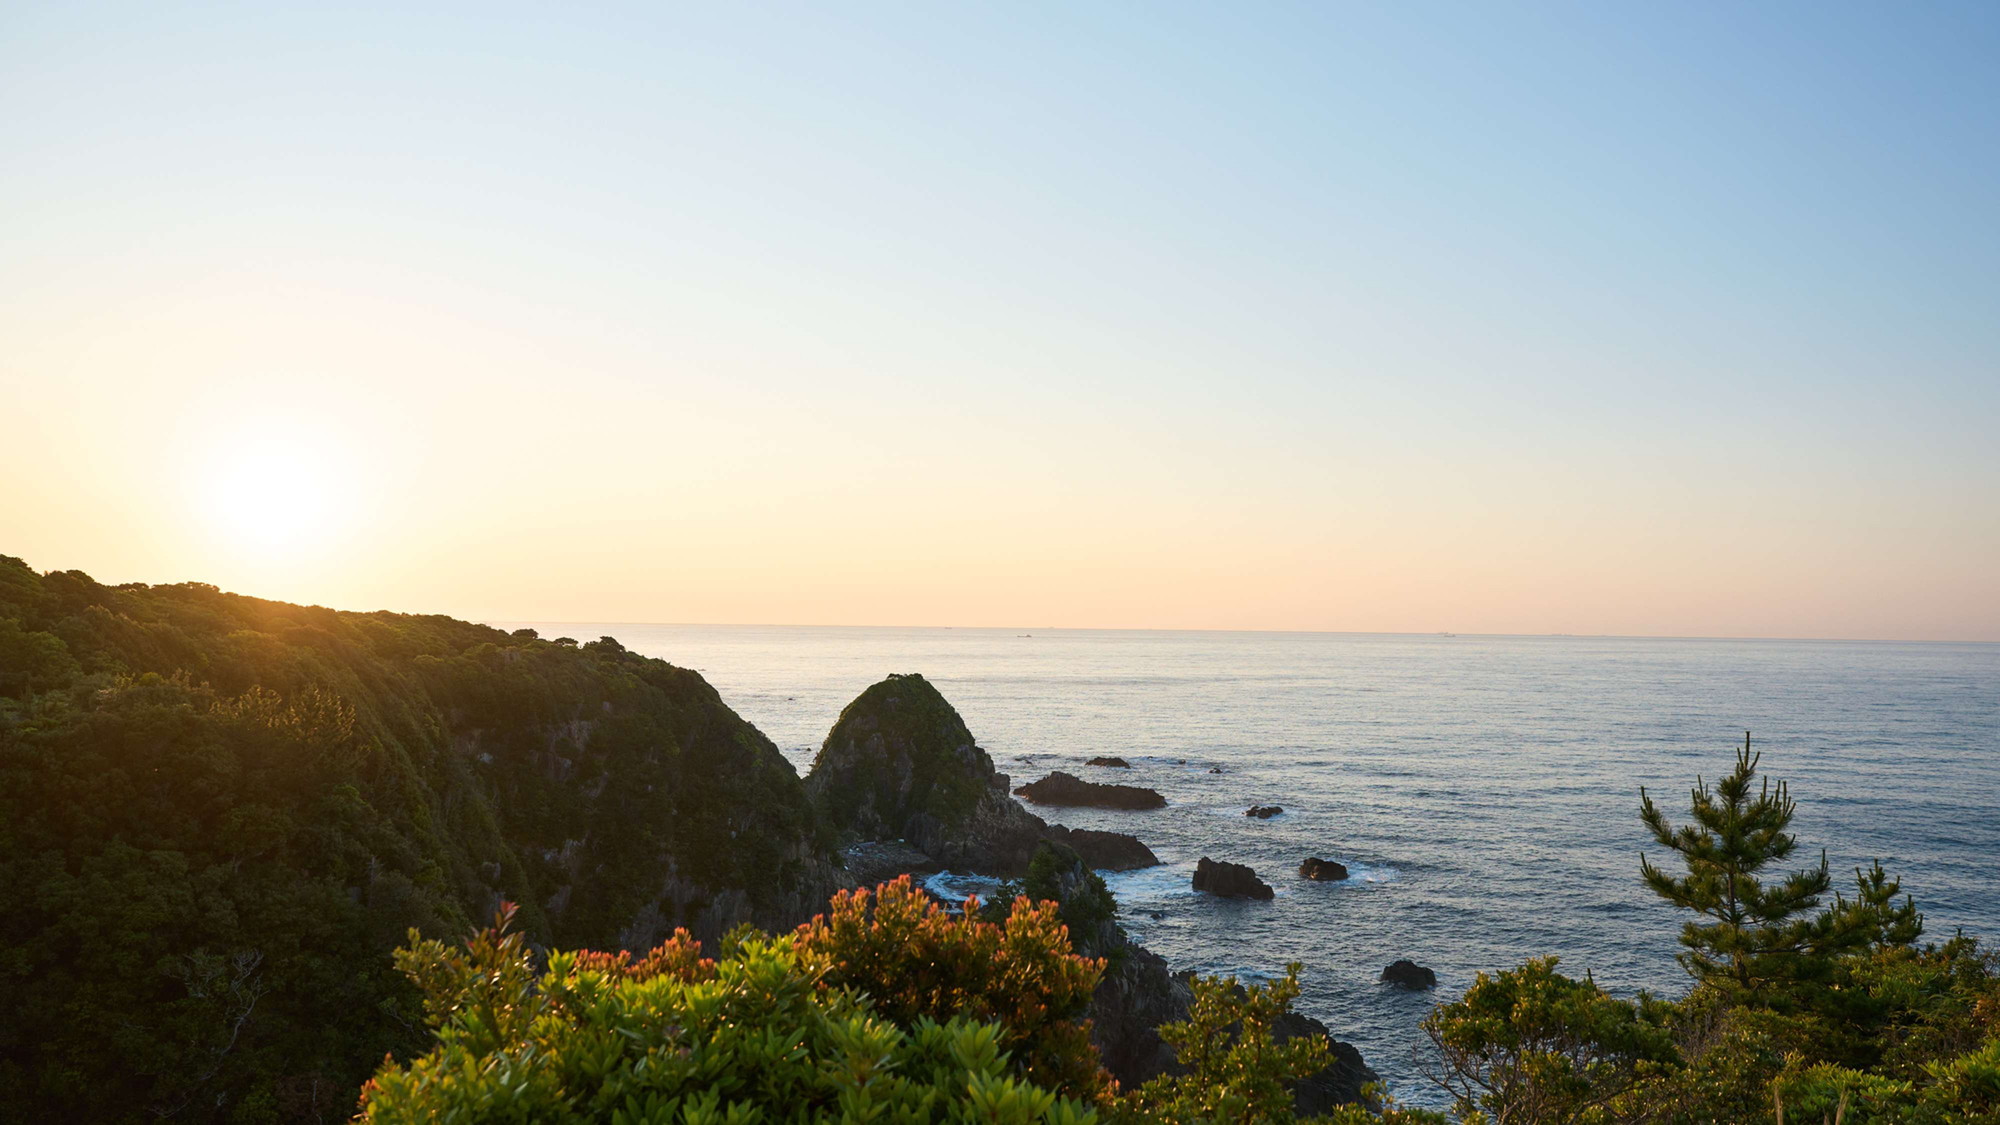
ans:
(1850, 1020)
(245, 842)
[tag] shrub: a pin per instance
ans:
(1530, 1044)
(1236, 1070)
(759, 1035)
(916, 960)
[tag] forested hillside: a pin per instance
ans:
(219, 815)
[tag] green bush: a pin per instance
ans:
(757, 1036)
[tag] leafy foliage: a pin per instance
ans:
(759, 1036)
(1530, 1044)
(1236, 1069)
(918, 961)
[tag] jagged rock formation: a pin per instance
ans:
(1323, 870)
(1110, 763)
(901, 765)
(1061, 788)
(1408, 974)
(1263, 812)
(1229, 880)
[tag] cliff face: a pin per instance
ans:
(218, 816)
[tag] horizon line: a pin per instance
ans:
(497, 622)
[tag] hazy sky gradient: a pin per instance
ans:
(1668, 319)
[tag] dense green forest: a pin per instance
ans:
(219, 815)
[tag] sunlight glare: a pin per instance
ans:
(270, 496)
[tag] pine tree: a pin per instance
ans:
(1873, 919)
(1762, 935)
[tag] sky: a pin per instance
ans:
(1490, 318)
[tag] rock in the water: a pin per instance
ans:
(1229, 880)
(1263, 812)
(1113, 763)
(1215, 769)
(1061, 788)
(1410, 975)
(1323, 870)
(1105, 851)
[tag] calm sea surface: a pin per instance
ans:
(1484, 791)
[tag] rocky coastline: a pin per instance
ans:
(904, 788)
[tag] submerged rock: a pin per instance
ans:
(1229, 880)
(1408, 974)
(1111, 763)
(1323, 870)
(1061, 788)
(1263, 812)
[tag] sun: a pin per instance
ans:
(272, 496)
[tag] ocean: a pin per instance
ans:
(1483, 791)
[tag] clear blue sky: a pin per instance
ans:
(1665, 318)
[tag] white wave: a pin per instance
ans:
(954, 887)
